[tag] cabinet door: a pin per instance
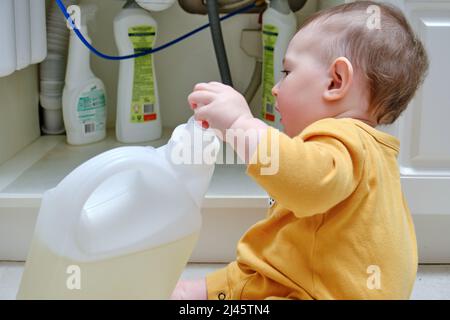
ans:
(424, 132)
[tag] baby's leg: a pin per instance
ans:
(190, 290)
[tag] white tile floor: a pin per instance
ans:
(433, 281)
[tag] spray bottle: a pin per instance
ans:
(279, 26)
(84, 97)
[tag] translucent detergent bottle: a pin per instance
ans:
(123, 224)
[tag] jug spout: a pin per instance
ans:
(192, 152)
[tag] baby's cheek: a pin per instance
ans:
(292, 109)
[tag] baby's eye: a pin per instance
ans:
(285, 72)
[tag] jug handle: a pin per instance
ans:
(97, 170)
(92, 174)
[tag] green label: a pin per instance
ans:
(143, 106)
(270, 34)
(91, 110)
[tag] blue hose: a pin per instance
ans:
(143, 53)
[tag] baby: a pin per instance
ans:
(339, 227)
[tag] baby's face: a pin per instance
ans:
(299, 93)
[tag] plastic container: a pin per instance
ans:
(84, 96)
(138, 109)
(279, 26)
(155, 5)
(38, 31)
(23, 33)
(123, 224)
(8, 59)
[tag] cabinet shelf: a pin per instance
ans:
(44, 163)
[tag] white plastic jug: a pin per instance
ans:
(123, 224)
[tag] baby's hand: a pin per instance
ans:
(219, 105)
(190, 290)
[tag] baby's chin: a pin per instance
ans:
(294, 130)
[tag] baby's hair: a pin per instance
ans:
(391, 58)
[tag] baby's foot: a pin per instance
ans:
(190, 290)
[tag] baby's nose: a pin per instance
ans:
(275, 90)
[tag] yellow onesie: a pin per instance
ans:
(339, 228)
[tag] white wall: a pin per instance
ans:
(323, 4)
(19, 111)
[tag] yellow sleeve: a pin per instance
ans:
(311, 173)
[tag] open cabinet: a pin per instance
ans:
(30, 163)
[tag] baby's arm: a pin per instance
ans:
(308, 174)
(190, 290)
(314, 171)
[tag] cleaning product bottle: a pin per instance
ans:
(123, 224)
(23, 33)
(138, 110)
(38, 31)
(8, 60)
(279, 26)
(84, 97)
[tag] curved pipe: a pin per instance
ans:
(217, 38)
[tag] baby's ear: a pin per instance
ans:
(340, 79)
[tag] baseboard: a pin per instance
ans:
(222, 228)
